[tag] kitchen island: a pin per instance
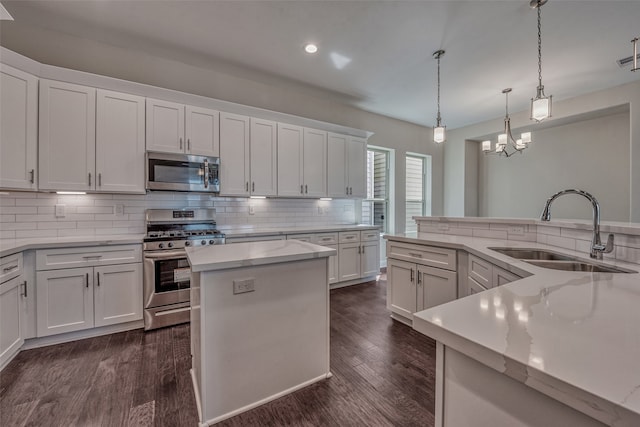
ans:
(259, 323)
(553, 348)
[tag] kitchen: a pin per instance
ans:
(455, 164)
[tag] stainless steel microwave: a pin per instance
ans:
(182, 172)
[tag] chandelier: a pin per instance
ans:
(507, 145)
(439, 131)
(635, 54)
(541, 104)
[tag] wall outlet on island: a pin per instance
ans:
(243, 286)
(443, 227)
(518, 230)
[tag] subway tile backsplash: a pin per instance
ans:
(24, 214)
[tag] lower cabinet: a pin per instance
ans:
(12, 315)
(73, 299)
(358, 258)
(483, 275)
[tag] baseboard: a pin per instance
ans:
(352, 282)
(79, 335)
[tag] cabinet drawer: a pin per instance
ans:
(301, 237)
(481, 271)
(253, 238)
(348, 236)
(369, 235)
(10, 267)
(474, 287)
(502, 277)
(53, 259)
(422, 254)
(325, 238)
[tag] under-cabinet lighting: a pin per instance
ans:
(326, 199)
(71, 192)
(258, 197)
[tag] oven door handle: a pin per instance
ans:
(165, 255)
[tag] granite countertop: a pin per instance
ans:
(221, 257)
(574, 336)
(275, 231)
(12, 246)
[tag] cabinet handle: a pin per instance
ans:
(246, 186)
(25, 289)
(33, 174)
(100, 179)
(98, 278)
(324, 239)
(11, 267)
(351, 191)
(253, 186)
(418, 277)
(347, 191)
(362, 248)
(188, 144)
(301, 188)
(87, 284)
(359, 248)
(181, 143)
(414, 254)
(411, 276)
(92, 256)
(305, 189)
(89, 179)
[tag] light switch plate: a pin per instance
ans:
(60, 211)
(252, 210)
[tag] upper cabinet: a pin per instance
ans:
(302, 161)
(87, 145)
(346, 165)
(264, 158)
(18, 129)
(179, 128)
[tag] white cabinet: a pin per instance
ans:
(67, 136)
(349, 261)
(13, 307)
(104, 289)
(248, 152)
(18, 129)
(483, 275)
(89, 145)
(358, 254)
(419, 277)
(302, 161)
(120, 142)
(179, 128)
(346, 165)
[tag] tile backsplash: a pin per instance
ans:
(25, 214)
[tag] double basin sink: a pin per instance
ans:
(556, 261)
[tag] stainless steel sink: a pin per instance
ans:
(557, 261)
(578, 266)
(535, 254)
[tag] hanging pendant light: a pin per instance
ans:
(635, 54)
(541, 104)
(439, 134)
(507, 145)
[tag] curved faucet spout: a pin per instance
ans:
(597, 248)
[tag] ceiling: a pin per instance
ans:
(388, 46)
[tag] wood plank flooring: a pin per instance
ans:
(384, 375)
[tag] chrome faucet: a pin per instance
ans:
(597, 248)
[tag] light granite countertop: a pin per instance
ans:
(280, 231)
(221, 257)
(12, 246)
(574, 336)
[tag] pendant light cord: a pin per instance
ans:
(438, 118)
(539, 45)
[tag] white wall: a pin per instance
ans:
(206, 78)
(564, 167)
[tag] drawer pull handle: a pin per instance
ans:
(418, 277)
(411, 276)
(11, 267)
(414, 254)
(324, 239)
(25, 289)
(87, 284)
(92, 256)
(350, 237)
(98, 277)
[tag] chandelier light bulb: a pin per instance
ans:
(438, 134)
(541, 104)
(486, 146)
(439, 131)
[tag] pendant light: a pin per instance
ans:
(541, 104)
(507, 145)
(635, 54)
(439, 135)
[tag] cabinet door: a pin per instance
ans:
(234, 155)
(202, 131)
(401, 289)
(357, 167)
(120, 142)
(337, 165)
(314, 167)
(11, 318)
(117, 294)
(67, 136)
(370, 258)
(502, 277)
(165, 126)
(334, 265)
(264, 158)
(349, 262)
(290, 160)
(64, 300)
(481, 271)
(435, 286)
(18, 129)
(474, 287)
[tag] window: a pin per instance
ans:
(417, 203)
(374, 207)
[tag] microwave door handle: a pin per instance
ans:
(206, 174)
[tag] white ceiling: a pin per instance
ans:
(489, 45)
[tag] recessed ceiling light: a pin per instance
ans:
(311, 48)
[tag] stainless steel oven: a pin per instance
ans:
(166, 270)
(182, 172)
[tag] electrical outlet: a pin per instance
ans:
(60, 211)
(252, 210)
(243, 286)
(517, 230)
(118, 210)
(443, 227)
(326, 209)
(319, 210)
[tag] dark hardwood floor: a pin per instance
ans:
(384, 375)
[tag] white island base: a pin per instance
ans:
(252, 347)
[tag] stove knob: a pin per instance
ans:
(211, 242)
(187, 243)
(170, 244)
(161, 245)
(204, 242)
